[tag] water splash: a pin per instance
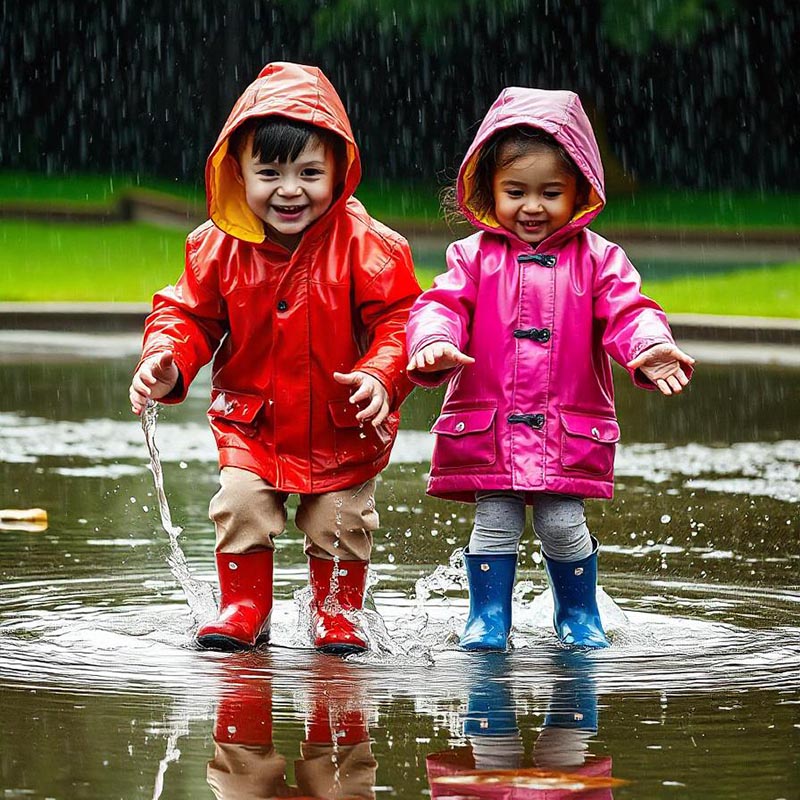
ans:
(199, 595)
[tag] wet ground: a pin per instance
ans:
(103, 696)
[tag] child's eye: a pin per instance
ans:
(268, 173)
(552, 195)
(312, 172)
(515, 193)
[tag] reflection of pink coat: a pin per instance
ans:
(511, 784)
(536, 410)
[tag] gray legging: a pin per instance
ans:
(558, 520)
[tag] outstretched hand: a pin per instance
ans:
(663, 365)
(438, 356)
(155, 378)
(367, 389)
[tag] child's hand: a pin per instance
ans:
(662, 364)
(438, 356)
(155, 378)
(370, 389)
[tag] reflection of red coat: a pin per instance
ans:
(284, 322)
(460, 762)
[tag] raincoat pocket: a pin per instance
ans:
(235, 409)
(465, 438)
(355, 442)
(588, 442)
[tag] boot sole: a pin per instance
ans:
(340, 649)
(215, 641)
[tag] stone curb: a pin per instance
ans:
(129, 317)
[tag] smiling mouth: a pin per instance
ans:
(289, 211)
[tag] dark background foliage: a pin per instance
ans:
(693, 93)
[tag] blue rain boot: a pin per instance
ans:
(576, 617)
(490, 706)
(490, 722)
(490, 711)
(491, 581)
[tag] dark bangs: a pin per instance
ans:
(282, 140)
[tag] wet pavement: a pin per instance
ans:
(104, 696)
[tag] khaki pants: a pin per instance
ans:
(248, 514)
(239, 772)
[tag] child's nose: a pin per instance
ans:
(289, 187)
(532, 204)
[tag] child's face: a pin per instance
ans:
(534, 195)
(289, 196)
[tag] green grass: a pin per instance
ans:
(50, 262)
(85, 189)
(127, 263)
(671, 208)
(772, 291)
(410, 201)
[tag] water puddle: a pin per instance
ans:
(97, 614)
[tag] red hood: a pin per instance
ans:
(289, 90)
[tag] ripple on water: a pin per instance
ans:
(58, 635)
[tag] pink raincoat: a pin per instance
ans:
(535, 413)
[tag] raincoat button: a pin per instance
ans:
(460, 427)
(282, 305)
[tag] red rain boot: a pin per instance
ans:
(244, 714)
(245, 582)
(333, 632)
(324, 725)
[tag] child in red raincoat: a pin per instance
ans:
(301, 298)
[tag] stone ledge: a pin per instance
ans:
(100, 317)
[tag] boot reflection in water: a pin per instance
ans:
(493, 765)
(336, 755)
(245, 764)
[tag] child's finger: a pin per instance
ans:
(364, 392)
(681, 376)
(663, 387)
(381, 415)
(139, 386)
(463, 358)
(674, 384)
(137, 401)
(346, 378)
(370, 411)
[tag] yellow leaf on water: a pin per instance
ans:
(23, 515)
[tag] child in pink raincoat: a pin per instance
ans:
(522, 325)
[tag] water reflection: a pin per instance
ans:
(494, 763)
(95, 632)
(335, 756)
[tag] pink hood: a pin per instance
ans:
(561, 115)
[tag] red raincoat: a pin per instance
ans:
(281, 323)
